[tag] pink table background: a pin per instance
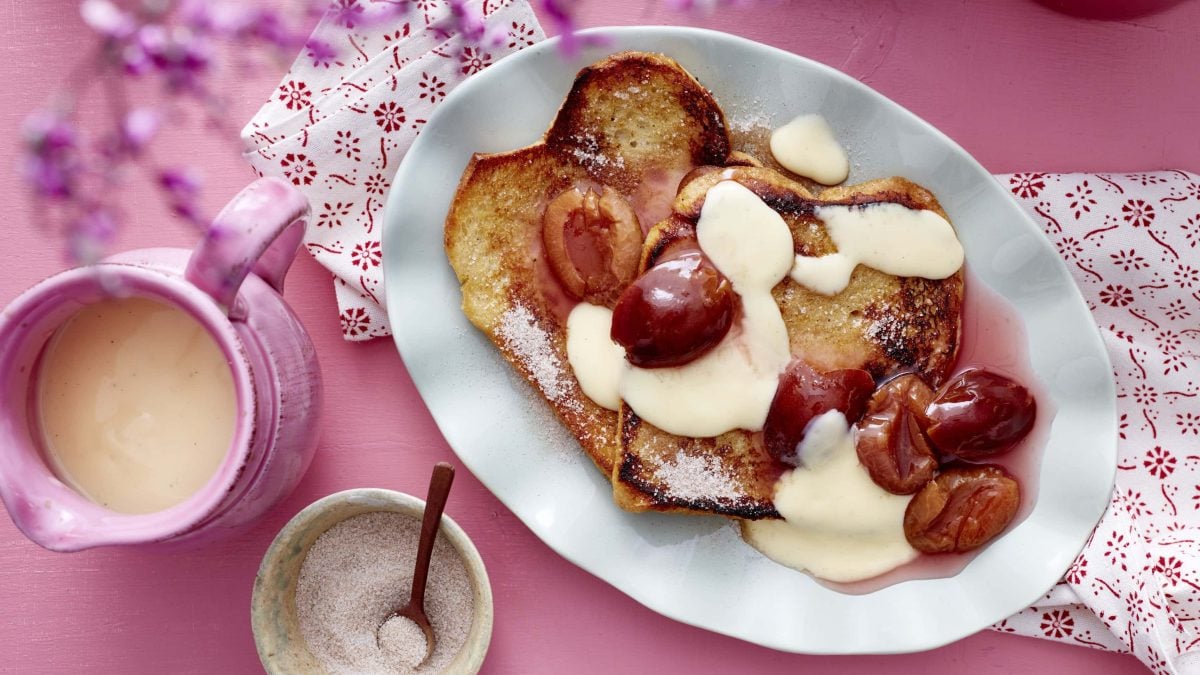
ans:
(1021, 85)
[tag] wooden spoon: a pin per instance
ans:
(435, 503)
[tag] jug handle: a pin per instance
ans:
(259, 230)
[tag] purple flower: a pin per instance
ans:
(182, 189)
(239, 20)
(563, 19)
(106, 19)
(216, 18)
(49, 131)
(180, 183)
(134, 60)
(181, 55)
(267, 25)
(469, 23)
(138, 127)
(52, 162)
(236, 20)
(89, 234)
(704, 5)
(153, 40)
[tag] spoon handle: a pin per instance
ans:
(435, 503)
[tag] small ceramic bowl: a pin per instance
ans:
(273, 607)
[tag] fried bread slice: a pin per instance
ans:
(634, 122)
(880, 323)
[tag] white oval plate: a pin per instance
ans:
(696, 569)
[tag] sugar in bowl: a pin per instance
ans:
(161, 395)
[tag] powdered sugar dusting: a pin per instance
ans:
(885, 329)
(890, 333)
(588, 153)
(747, 118)
(627, 93)
(521, 334)
(596, 160)
(691, 478)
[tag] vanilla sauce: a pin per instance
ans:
(837, 524)
(807, 147)
(891, 238)
(136, 404)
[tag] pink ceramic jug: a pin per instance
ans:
(231, 284)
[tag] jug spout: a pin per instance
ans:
(57, 518)
(46, 518)
(37, 502)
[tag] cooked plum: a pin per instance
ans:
(593, 242)
(979, 414)
(805, 393)
(674, 313)
(962, 509)
(891, 440)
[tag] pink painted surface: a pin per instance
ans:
(1020, 85)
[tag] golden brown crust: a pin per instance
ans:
(493, 234)
(731, 474)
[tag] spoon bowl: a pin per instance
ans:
(435, 504)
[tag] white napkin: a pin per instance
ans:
(1131, 241)
(347, 111)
